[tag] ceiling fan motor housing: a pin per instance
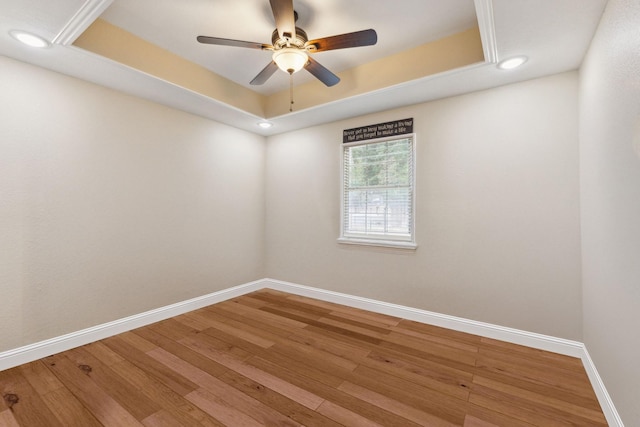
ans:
(280, 43)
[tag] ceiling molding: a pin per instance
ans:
(486, 23)
(89, 12)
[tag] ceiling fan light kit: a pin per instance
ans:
(290, 59)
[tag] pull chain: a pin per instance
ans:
(291, 92)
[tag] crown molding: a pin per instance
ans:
(80, 21)
(486, 23)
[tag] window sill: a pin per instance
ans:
(378, 243)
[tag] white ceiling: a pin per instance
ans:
(554, 34)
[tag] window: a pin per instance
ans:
(378, 192)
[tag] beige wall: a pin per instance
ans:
(610, 199)
(497, 210)
(111, 205)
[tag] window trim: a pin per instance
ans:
(383, 241)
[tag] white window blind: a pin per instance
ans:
(378, 192)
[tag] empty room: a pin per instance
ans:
(319, 213)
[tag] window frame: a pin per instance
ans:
(383, 240)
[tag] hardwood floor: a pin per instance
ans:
(270, 358)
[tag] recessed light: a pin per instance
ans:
(29, 39)
(511, 63)
(265, 124)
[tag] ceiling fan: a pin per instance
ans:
(291, 46)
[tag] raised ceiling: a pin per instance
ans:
(175, 25)
(427, 49)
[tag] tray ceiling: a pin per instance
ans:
(427, 49)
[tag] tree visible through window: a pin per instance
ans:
(378, 190)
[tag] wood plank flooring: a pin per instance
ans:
(276, 359)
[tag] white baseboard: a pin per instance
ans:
(515, 336)
(609, 409)
(29, 353)
(529, 339)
